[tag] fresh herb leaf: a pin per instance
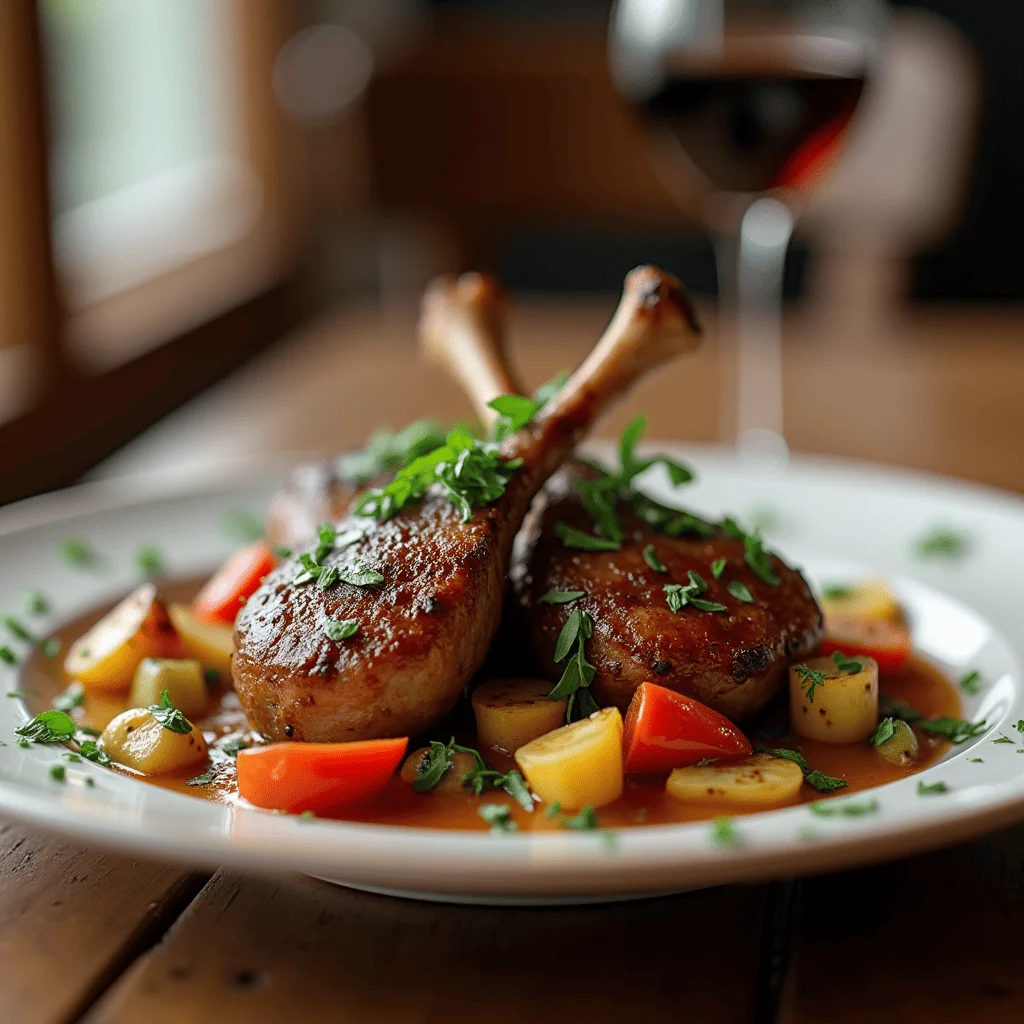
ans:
(759, 561)
(7, 655)
(514, 412)
(169, 716)
(740, 592)
(824, 783)
(47, 727)
(844, 808)
(19, 631)
(72, 757)
(433, 768)
(971, 683)
(577, 539)
(706, 606)
(928, 790)
(34, 602)
(339, 629)
(499, 817)
(810, 680)
(732, 529)
(388, 452)
(1003, 739)
(956, 730)
(676, 596)
(149, 560)
(58, 773)
(845, 664)
(724, 833)
(230, 748)
(579, 672)
(550, 388)
(836, 591)
(92, 751)
(50, 647)
(245, 526)
(585, 821)
(652, 559)
(718, 567)
(567, 636)
(327, 576)
(889, 708)
(89, 731)
(470, 473)
(515, 785)
(201, 780)
(76, 551)
(976, 760)
(885, 730)
(561, 596)
(211, 677)
(679, 596)
(69, 700)
(1020, 725)
(788, 755)
(942, 543)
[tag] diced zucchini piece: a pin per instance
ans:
(832, 705)
(577, 765)
(181, 678)
(760, 780)
(512, 712)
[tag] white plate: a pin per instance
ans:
(836, 520)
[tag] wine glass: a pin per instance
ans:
(747, 103)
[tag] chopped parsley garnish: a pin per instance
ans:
(16, 629)
(7, 655)
(679, 595)
(69, 700)
(717, 568)
(514, 413)
(561, 596)
(50, 647)
(201, 780)
(758, 560)
(58, 773)
(34, 602)
(149, 560)
(339, 629)
(359, 575)
(573, 538)
(1002, 739)
(928, 790)
(169, 716)
(844, 808)
(74, 758)
(76, 551)
(740, 592)
(47, 727)
(1020, 725)
(850, 666)
(889, 708)
(813, 777)
(434, 767)
(499, 817)
(387, 452)
(836, 591)
(652, 559)
(313, 567)
(976, 760)
(245, 526)
(211, 676)
(972, 682)
(885, 730)
(810, 680)
(230, 748)
(579, 672)
(942, 543)
(91, 751)
(956, 730)
(724, 833)
(470, 473)
(585, 821)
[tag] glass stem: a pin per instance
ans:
(751, 265)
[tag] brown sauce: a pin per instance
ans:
(644, 801)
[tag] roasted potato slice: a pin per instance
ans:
(137, 740)
(210, 643)
(831, 703)
(512, 712)
(759, 780)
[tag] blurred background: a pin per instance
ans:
(216, 216)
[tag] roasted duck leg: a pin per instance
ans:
(735, 661)
(423, 627)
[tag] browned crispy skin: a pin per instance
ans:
(438, 607)
(733, 661)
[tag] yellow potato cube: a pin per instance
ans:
(512, 712)
(762, 780)
(107, 655)
(137, 740)
(871, 600)
(210, 643)
(838, 706)
(181, 678)
(578, 765)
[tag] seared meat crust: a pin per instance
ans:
(390, 678)
(733, 661)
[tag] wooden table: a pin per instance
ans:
(100, 937)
